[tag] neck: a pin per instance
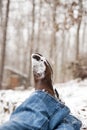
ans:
(44, 85)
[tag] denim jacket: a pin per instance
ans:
(41, 111)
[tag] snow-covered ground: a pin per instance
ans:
(73, 93)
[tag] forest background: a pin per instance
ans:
(56, 29)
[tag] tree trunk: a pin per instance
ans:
(78, 32)
(53, 51)
(3, 50)
(0, 11)
(39, 28)
(63, 57)
(31, 45)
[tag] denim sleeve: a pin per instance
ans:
(70, 123)
(38, 112)
(41, 112)
(72, 120)
(65, 126)
(30, 115)
(12, 125)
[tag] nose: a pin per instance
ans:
(35, 56)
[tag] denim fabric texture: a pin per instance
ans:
(41, 111)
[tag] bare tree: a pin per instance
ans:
(0, 27)
(39, 27)
(84, 43)
(31, 45)
(0, 10)
(53, 51)
(78, 30)
(4, 28)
